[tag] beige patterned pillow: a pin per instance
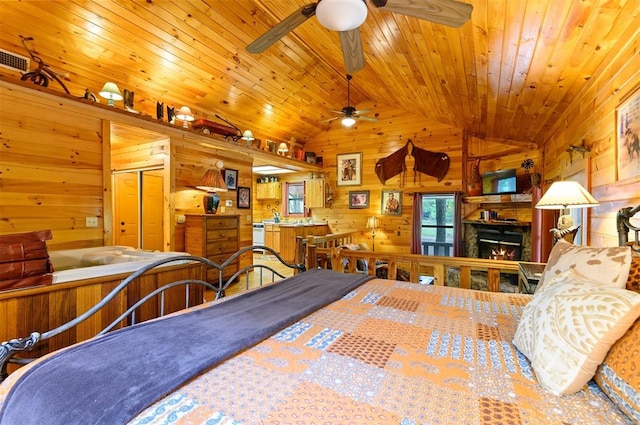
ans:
(609, 265)
(568, 327)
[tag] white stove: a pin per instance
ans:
(258, 234)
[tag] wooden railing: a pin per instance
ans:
(412, 265)
(324, 244)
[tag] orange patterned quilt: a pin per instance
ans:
(388, 353)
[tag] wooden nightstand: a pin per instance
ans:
(529, 275)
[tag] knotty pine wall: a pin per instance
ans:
(50, 168)
(379, 140)
(55, 169)
(592, 119)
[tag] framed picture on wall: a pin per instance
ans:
(628, 137)
(349, 166)
(391, 202)
(231, 178)
(244, 197)
(359, 199)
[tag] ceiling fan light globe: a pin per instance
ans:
(341, 15)
(348, 121)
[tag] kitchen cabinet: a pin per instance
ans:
(289, 232)
(272, 236)
(214, 237)
(271, 190)
(314, 193)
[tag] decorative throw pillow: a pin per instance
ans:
(619, 374)
(633, 281)
(568, 327)
(610, 265)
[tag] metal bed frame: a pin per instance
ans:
(9, 349)
(624, 226)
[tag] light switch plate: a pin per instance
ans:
(229, 203)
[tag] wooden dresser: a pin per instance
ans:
(214, 237)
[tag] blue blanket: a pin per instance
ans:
(110, 379)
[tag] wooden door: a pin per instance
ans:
(126, 204)
(152, 210)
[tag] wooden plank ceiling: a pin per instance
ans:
(507, 74)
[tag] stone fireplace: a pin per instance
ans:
(497, 240)
(499, 244)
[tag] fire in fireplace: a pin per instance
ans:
(497, 244)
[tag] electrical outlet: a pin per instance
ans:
(181, 219)
(223, 209)
(91, 221)
(249, 217)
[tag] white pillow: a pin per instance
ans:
(568, 327)
(610, 265)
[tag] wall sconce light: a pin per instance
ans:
(283, 148)
(211, 183)
(185, 115)
(111, 92)
(372, 223)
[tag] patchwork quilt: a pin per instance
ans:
(389, 352)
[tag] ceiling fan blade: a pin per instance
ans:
(447, 12)
(352, 50)
(362, 111)
(285, 26)
(331, 119)
(364, 118)
(337, 112)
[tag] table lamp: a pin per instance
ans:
(211, 183)
(564, 195)
(372, 223)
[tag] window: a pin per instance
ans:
(437, 231)
(295, 199)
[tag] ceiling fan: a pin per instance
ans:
(349, 114)
(346, 16)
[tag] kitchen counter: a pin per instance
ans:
(290, 231)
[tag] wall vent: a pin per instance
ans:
(12, 61)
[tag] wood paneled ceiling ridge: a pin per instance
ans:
(508, 74)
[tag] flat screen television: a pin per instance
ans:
(499, 182)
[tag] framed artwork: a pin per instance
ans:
(359, 199)
(244, 197)
(391, 202)
(231, 178)
(628, 136)
(349, 168)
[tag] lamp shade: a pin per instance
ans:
(566, 194)
(111, 91)
(283, 148)
(248, 135)
(184, 114)
(212, 181)
(341, 15)
(372, 223)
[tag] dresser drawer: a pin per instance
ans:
(221, 223)
(221, 234)
(226, 246)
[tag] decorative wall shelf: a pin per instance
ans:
(498, 199)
